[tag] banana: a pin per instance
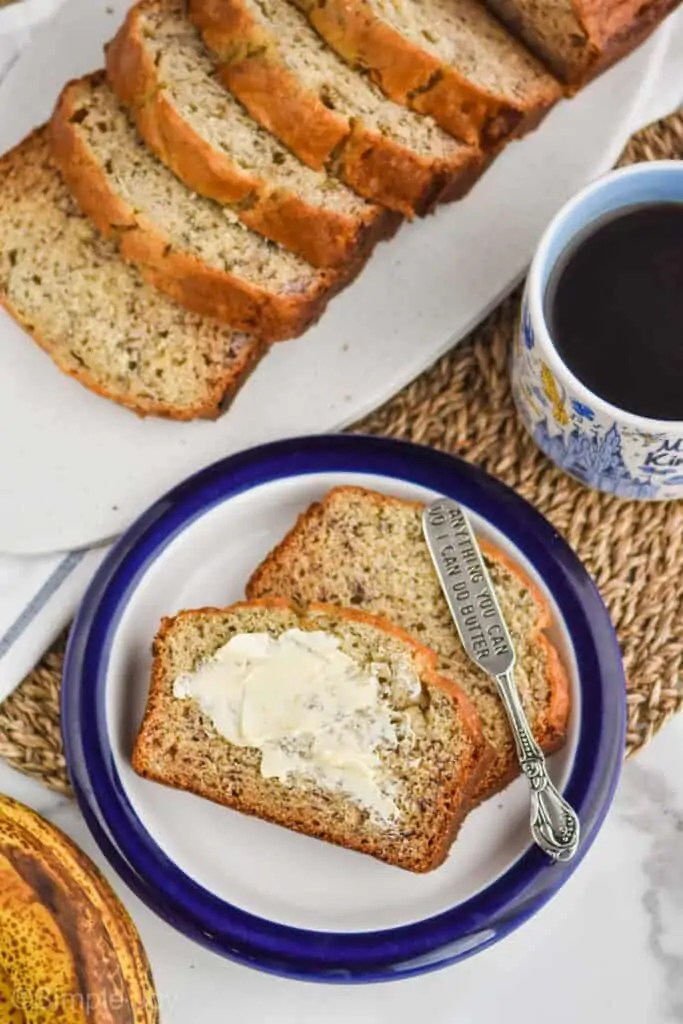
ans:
(10, 1013)
(56, 907)
(34, 955)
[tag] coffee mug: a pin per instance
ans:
(604, 447)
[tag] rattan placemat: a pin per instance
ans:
(463, 405)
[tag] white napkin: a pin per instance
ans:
(38, 596)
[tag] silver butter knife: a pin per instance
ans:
(474, 606)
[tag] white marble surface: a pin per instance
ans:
(609, 947)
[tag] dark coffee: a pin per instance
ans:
(614, 308)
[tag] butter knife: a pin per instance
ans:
(473, 603)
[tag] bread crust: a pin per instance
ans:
(30, 155)
(222, 393)
(200, 288)
(374, 165)
(604, 32)
(551, 721)
(324, 237)
(418, 79)
(455, 803)
(614, 32)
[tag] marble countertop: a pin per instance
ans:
(608, 947)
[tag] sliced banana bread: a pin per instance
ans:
(192, 248)
(162, 72)
(361, 548)
(577, 39)
(93, 313)
(447, 58)
(330, 722)
(327, 113)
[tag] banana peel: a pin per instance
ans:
(10, 1013)
(69, 952)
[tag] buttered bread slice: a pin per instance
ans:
(196, 251)
(327, 113)
(94, 314)
(329, 722)
(162, 72)
(364, 549)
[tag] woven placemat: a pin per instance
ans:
(463, 405)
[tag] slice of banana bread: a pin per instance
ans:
(162, 72)
(327, 113)
(93, 314)
(361, 548)
(197, 251)
(577, 39)
(366, 746)
(447, 58)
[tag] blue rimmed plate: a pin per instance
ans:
(258, 893)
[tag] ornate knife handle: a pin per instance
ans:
(472, 601)
(554, 824)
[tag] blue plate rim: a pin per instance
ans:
(368, 956)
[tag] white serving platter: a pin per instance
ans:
(75, 469)
(20, 15)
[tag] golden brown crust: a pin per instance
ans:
(456, 802)
(602, 20)
(31, 154)
(298, 117)
(325, 237)
(418, 79)
(604, 32)
(374, 165)
(379, 168)
(556, 714)
(251, 68)
(613, 32)
(198, 287)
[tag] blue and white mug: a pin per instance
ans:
(603, 446)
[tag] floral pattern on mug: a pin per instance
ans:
(527, 334)
(584, 411)
(555, 395)
(584, 442)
